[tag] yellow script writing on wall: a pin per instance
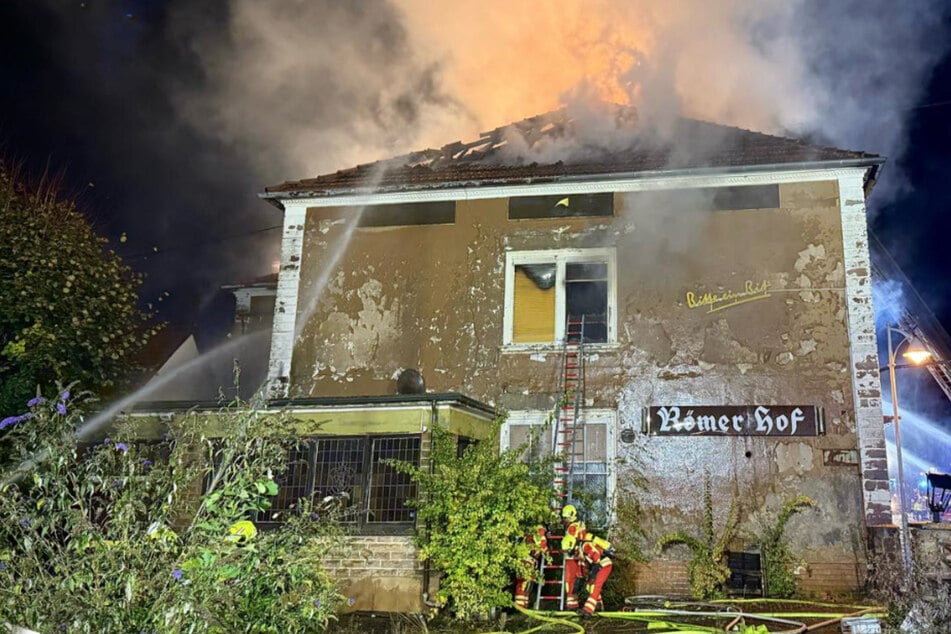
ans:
(751, 292)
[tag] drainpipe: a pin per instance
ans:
(433, 419)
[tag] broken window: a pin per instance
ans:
(548, 290)
(524, 207)
(586, 299)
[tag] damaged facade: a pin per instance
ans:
(724, 280)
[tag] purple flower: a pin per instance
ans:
(107, 441)
(9, 421)
(317, 603)
(61, 409)
(36, 400)
(351, 601)
(121, 446)
(177, 573)
(64, 396)
(25, 522)
(146, 463)
(2, 566)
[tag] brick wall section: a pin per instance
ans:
(662, 576)
(391, 556)
(866, 381)
(830, 578)
(381, 574)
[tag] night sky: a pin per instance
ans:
(89, 95)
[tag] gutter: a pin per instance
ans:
(277, 198)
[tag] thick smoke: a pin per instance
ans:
(194, 107)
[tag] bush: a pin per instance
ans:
(477, 509)
(116, 537)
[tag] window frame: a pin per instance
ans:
(560, 257)
(592, 416)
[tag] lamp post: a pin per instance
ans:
(916, 357)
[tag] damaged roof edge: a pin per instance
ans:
(874, 162)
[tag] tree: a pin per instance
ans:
(68, 304)
(141, 535)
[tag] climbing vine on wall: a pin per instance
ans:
(779, 580)
(707, 569)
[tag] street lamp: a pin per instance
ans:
(917, 356)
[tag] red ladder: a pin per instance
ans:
(568, 447)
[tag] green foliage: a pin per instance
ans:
(707, 569)
(777, 557)
(68, 305)
(477, 509)
(117, 537)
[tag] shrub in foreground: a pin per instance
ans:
(117, 536)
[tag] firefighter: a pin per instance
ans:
(537, 541)
(595, 553)
(574, 575)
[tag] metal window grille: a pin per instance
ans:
(293, 485)
(388, 489)
(463, 443)
(339, 468)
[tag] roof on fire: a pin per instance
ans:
(557, 146)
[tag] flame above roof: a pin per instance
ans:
(557, 146)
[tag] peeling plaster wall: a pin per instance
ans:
(432, 297)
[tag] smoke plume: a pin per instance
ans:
(196, 106)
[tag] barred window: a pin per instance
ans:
(348, 479)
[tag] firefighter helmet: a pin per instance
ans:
(568, 543)
(569, 513)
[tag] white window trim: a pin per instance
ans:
(592, 415)
(560, 258)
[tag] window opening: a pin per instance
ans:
(547, 289)
(586, 295)
(292, 485)
(389, 489)
(338, 477)
(563, 206)
(403, 214)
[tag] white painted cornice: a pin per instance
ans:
(646, 181)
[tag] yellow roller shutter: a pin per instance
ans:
(534, 311)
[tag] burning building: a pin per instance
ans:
(716, 279)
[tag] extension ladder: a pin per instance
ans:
(568, 449)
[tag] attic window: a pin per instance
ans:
(709, 198)
(404, 214)
(746, 197)
(524, 207)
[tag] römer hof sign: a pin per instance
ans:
(734, 420)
